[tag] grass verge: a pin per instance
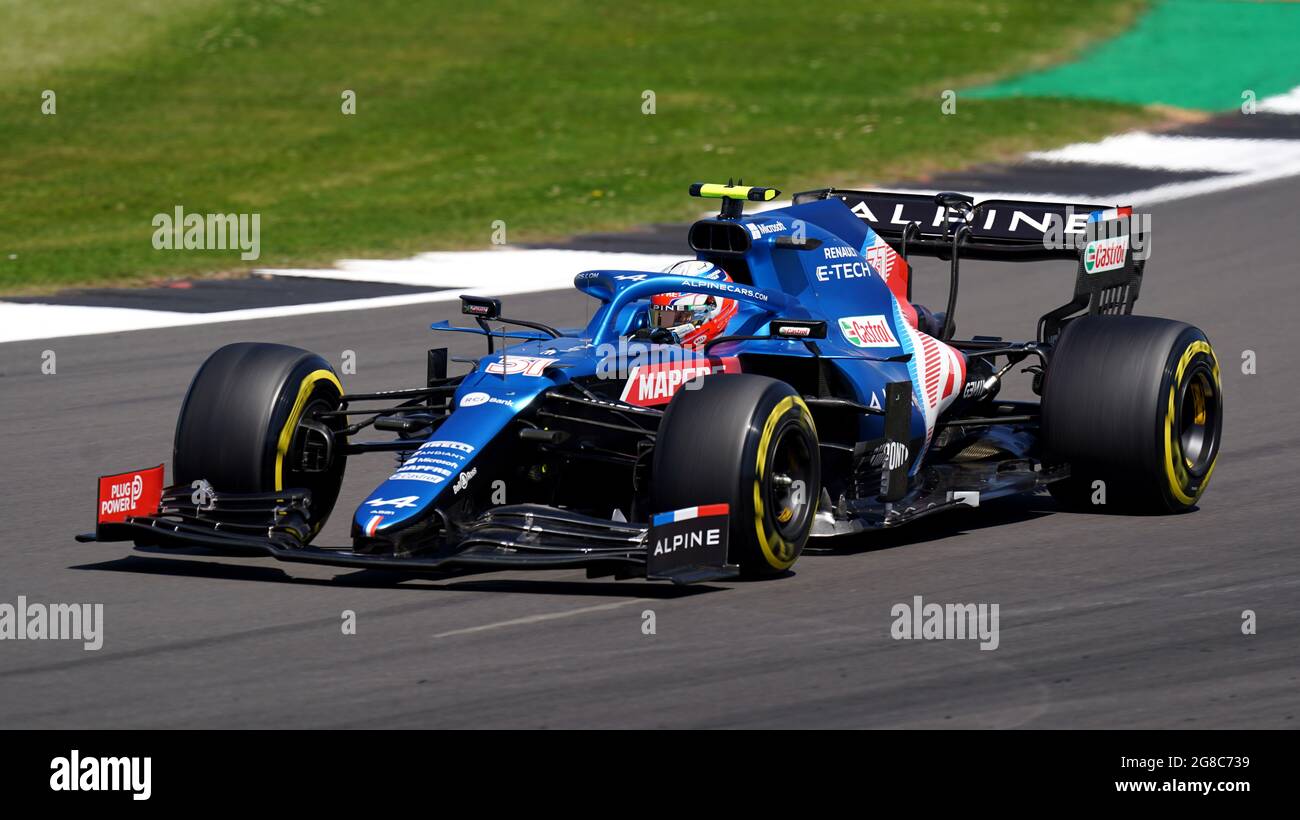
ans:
(466, 113)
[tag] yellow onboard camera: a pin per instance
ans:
(733, 196)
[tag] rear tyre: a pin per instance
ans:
(747, 441)
(245, 425)
(1134, 402)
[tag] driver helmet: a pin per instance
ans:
(693, 318)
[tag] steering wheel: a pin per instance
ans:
(655, 335)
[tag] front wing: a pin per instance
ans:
(524, 536)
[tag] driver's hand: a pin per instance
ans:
(655, 335)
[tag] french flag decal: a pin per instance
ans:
(1112, 213)
(688, 543)
(686, 514)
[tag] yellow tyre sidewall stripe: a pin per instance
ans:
(779, 553)
(300, 403)
(1175, 469)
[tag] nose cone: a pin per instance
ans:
(455, 458)
(444, 465)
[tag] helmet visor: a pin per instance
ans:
(668, 317)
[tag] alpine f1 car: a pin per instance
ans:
(712, 417)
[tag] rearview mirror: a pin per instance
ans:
(480, 307)
(797, 329)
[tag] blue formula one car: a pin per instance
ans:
(714, 416)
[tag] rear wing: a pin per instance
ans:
(1010, 230)
(952, 226)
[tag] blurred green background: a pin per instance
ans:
(466, 113)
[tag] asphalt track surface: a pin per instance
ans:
(1106, 621)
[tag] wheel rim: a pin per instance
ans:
(789, 484)
(1198, 420)
(323, 484)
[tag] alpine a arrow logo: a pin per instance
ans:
(398, 503)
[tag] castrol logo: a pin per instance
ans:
(1105, 254)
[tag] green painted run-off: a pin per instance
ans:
(1200, 54)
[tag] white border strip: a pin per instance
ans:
(492, 273)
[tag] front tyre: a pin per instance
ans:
(1136, 403)
(747, 441)
(247, 425)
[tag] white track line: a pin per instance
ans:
(485, 273)
(1174, 153)
(507, 270)
(29, 321)
(534, 619)
(1237, 163)
(20, 321)
(1145, 196)
(1288, 103)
